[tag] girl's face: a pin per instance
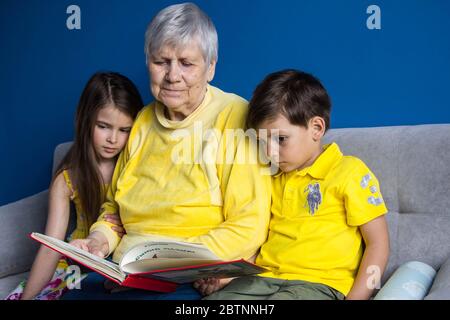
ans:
(111, 131)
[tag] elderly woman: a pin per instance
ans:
(186, 172)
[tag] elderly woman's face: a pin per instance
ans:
(179, 77)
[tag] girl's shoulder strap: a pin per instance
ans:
(69, 183)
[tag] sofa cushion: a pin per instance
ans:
(424, 237)
(424, 171)
(17, 221)
(440, 290)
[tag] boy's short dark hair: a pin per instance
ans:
(296, 95)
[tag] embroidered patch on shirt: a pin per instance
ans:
(365, 181)
(314, 197)
(374, 201)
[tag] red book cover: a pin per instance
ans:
(155, 266)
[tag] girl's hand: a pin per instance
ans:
(115, 219)
(210, 285)
(95, 245)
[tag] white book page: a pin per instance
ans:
(159, 255)
(87, 258)
(145, 265)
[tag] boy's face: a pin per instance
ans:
(290, 146)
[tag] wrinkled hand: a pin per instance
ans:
(115, 219)
(92, 245)
(208, 286)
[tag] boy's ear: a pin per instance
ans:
(318, 127)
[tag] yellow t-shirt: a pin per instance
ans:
(82, 225)
(190, 180)
(316, 211)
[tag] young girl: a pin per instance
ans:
(107, 108)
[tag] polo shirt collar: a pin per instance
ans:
(324, 163)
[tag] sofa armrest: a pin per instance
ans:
(17, 220)
(440, 290)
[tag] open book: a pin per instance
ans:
(156, 265)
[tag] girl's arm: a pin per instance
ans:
(373, 263)
(46, 260)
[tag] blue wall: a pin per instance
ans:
(398, 75)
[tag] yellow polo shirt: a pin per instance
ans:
(316, 211)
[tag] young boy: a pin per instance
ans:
(328, 236)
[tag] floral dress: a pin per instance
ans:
(63, 278)
(61, 282)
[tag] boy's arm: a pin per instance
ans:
(376, 238)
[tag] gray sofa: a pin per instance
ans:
(411, 162)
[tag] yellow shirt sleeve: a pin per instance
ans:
(363, 199)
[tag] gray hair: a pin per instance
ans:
(179, 24)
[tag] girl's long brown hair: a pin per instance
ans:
(102, 89)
